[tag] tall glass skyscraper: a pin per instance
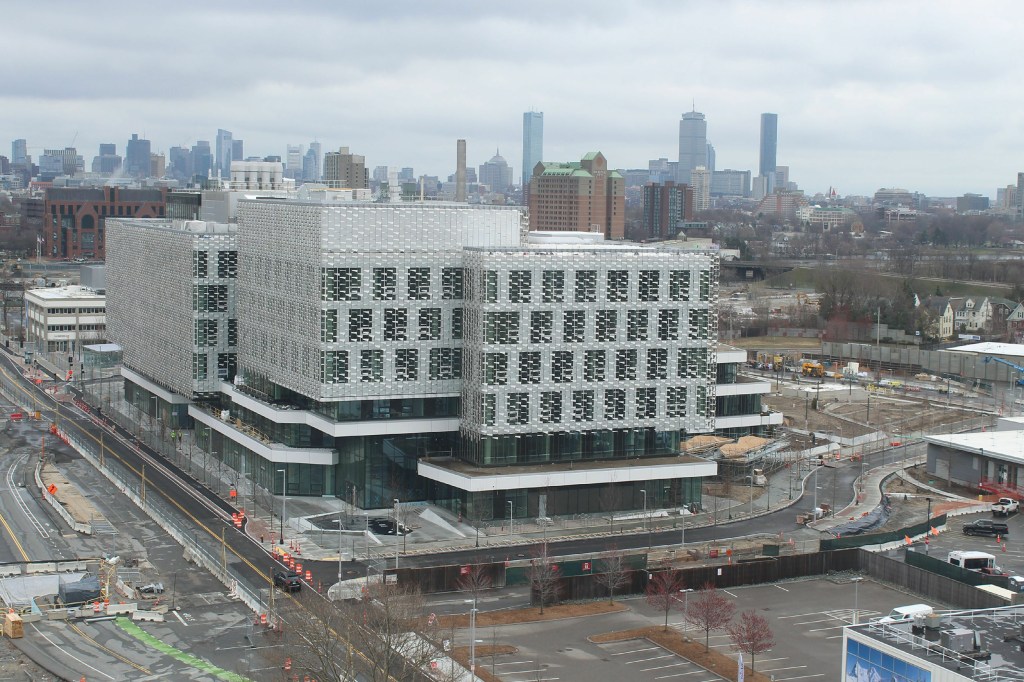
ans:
(769, 143)
(693, 144)
(533, 143)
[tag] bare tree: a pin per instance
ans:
(751, 634)
(613, 572)
(663, 592)
(475, 580)
(388, 634)
(544, 579)
(708, 611)
(318, 641)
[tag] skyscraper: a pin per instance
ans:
(237, 150)
(693, 145)
(136, 157)
(701, 188)
(460, 170)
(769, 143)
(19, 151)
(496, 174)
(223, 160)
(533, 144)
(293, 161)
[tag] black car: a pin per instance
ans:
(388, 527)
(986, 527)
(288, 581)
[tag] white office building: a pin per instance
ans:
(61, 319)
(439, 352)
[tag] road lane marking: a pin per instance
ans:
(67, 653)
(782, 588)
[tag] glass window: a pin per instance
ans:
(594, 362)
(227, 264)
(668, 325)
(676, 401)
(618, 286)
(573, 326)
(529, 368)
(200, 264)
(699, 328)
(561, 366)
(418, 284)
(705, 285)
(614, 403)
(519, 284)
(679, 285)
(385, 284)
(650, 285)
(657, 363)
(638, 324)
(329, 326)
(646, 403)
(371, 366)
(495, 369)
(489, 284)
(541, 323)
(583, 406)
(605, 326)
(407, 361)
(490, 405)
(341, 284)
(550, 407)
(360, 324)
(452, 284)
(501, 327)
(517, 408)
(334, 367)
(625, 364)
(457, 319)
(430, 324)
(553, 287)
(445, 364)
(586, 286)
(396, 324)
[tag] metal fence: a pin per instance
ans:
(931, 586)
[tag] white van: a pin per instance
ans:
(906, 613)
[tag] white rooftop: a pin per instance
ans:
(991, 348)
(72, 292)
(1005, 445)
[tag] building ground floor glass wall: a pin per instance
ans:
(532, 503)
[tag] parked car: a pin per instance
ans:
(288, 581)
(388, 527)
(986, 527)
(1005, 506)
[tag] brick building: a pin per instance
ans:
(578, 196)
(74, 218)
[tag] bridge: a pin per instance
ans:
(754, 270)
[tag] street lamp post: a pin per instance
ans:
(284, 500)
(644, 493)
(510, 517)
(397, 530)
(929, 522)
(856, 596)
(472, 638)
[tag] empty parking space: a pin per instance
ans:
(523, 671)
(639, 659)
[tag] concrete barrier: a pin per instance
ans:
(45, 567)
(148, 616)
(72, 566)
(7, 570)
(121, 609)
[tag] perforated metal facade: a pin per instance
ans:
(170, 301)
(580, 339)
(359, 301)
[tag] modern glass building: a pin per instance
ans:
(431, 352)
(533, 144)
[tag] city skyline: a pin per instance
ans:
(404, 91)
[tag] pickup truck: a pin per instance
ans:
(1005, 506)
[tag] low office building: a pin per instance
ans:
(62, 319)
(74, 218)
(738, 407)
(990, 460)
(444, 353)
(957, 646)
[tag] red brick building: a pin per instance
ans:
(74, 218)
(579, 196)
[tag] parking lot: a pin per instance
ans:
(807, 618)
(1008, 551)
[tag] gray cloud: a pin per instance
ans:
(869, 93)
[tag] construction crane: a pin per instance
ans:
(990, 358)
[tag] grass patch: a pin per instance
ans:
(675, 642)
(533, 614)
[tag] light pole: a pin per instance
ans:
(510, 517)
(929, 522)
(397, 546)
(341, 536)
(816, 467)
(472, 638)
(644, 493)
(284, 500)
(856, 596)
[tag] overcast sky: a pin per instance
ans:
(921, 95)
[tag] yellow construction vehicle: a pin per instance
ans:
(812, 369)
